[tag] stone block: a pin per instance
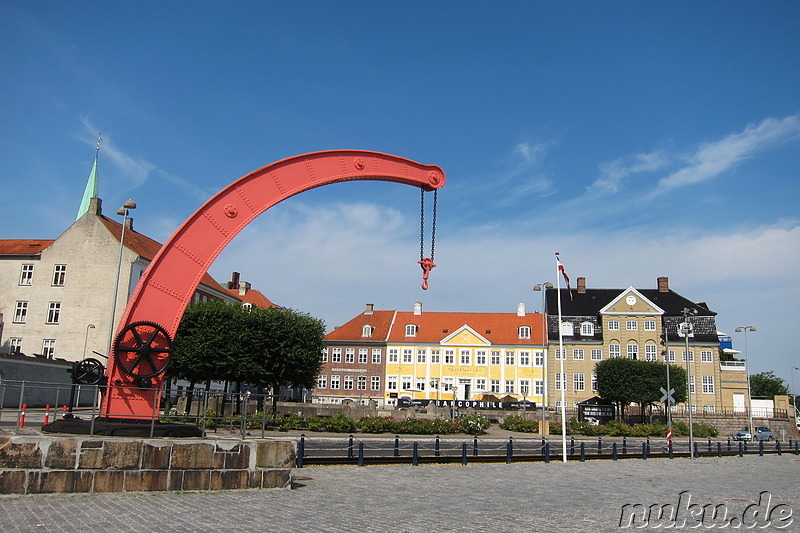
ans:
(237, 457)
(61, 454)
(229, 479)
(84, 481)
(196, 480)
(122, 455)
(109, 481)
(12, 481)
(196, 455)
(175, 480)
(55, 481)
(276, 479)
(91, 454)
(146, 480)
(276, 454)
(155, 457)
(20, 455)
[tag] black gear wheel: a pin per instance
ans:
(88, 372)
(152, 345)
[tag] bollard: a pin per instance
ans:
(301, 449)
(415, 456)
(361, 453)
(709, 445)
(644, 450)
(463, 453)
(648, 446)
(599, 445)
(397, 445)
(583, 453)
(614, 451)
(350, 448)
(572, 445)
(778, 447)
(546, 452)
(741, 453)
(47, 415)
(22, 416)
(696, 454)
(544, 442)
(669, 449)
(624, 445)
(719, 449)
(761, 448)
(475, 446)
(729, 445)
(509, 450)
(796, 448)
(436, 447)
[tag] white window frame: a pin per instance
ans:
(361, 383)
(347, 383)
(649, 325)
(567, 329)
(15, 344)
(525, 387)
(538, 387)
(561, 381)
(366, 331)
(510, 358)
(631, 325)
(336, 381)
(480, 358)
(495, 355)
(394, 355)
(49, 348)
(363, 354)
(650, 352)
(53, 313)
(323, 356)
(597, 354)
(587, 329)
(21, 312)
(411, 330)
(708, 384)
(538, 358)
(613, 325)
(336, 355)
(406, 382)
(480, 384)
(632, 351)
(561, 354)
(375, 383)
(494, 386)
(391, 382)
(59, 275)
(449, 356)
(465, 357)
(422, 355)
(579, 381)
(420, 384)
(436, 355)
(26, 274)
(614, 350)
(691, 356)
(524, 358)
(349, 355)
(509, 386)
(322, 382)
(408, 355)
(594, 381)
(706, 356)
(578, 354)
(376, 356)
(524, 332)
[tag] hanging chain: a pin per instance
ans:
(426, 262)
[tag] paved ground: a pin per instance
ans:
(580, 497)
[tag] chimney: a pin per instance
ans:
(129, 223)
(243, 288)
(521, 309)
(370, 308)
(417, 308)
(581, 285)
(663, 284)
(234, 282)
(96, 206)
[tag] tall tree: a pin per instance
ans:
(767, 385)
(625, 381)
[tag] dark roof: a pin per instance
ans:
(590, 302)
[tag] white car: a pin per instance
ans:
(761, 433)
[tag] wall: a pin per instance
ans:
(32, 465)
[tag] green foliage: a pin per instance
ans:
(377, 424)
(623, 381)
(519, 424)
(472, 424)
(767, 385)
(656, 429)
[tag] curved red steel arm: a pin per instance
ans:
(168, 284)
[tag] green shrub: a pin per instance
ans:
(517, 423)
(340, 424)
(378, 424)
(472, 424)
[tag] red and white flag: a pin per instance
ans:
(564, 273)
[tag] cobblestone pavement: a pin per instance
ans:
(579, 497)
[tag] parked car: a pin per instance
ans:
(761, 433)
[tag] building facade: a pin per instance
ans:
(57, 296)
(643, 324)
(393, 356)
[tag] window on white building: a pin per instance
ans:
(449, 356)
(394, 354)
(21, 312)
(15, 344)
(26, 275)
(59, 275)
(509, 386)
(408, 355)
(466, 356)
(480, 358)
(49, 348)
(435, 355)
(524, 358)
(53, 312)
(411, 330)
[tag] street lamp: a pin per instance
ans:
(795, 409)
(686, 331)
(542, 287)
(86, 339)
(123, 211)
(745, 329)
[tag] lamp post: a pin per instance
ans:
(86, 339)
(745, 329)
(795, 411)
(686, 331)
(542, 287)
(126, 207)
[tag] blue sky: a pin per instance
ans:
(638, 139)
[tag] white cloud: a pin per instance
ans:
(712, 159)
(614, 172)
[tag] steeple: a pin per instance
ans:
(91, 184)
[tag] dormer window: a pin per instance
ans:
(411, 330)
(587, 329)
(367, 331)
(524, 332)
(566, 329)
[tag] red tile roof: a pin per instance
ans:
(390, 326)
(146, 247)
(254, 297)
(23, 246)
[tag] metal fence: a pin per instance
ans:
(399, 450)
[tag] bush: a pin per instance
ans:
(340, 424)
(517, 423)
(472, 424)
(377, 425)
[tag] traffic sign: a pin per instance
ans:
(667, 395)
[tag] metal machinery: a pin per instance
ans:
(142, 347)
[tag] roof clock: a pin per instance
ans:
(631, 299)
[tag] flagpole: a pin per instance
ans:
(563, 379)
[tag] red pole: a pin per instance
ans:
(47, 415)
(22, 416)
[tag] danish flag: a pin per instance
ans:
(564, 273)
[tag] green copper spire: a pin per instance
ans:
(91, 185)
